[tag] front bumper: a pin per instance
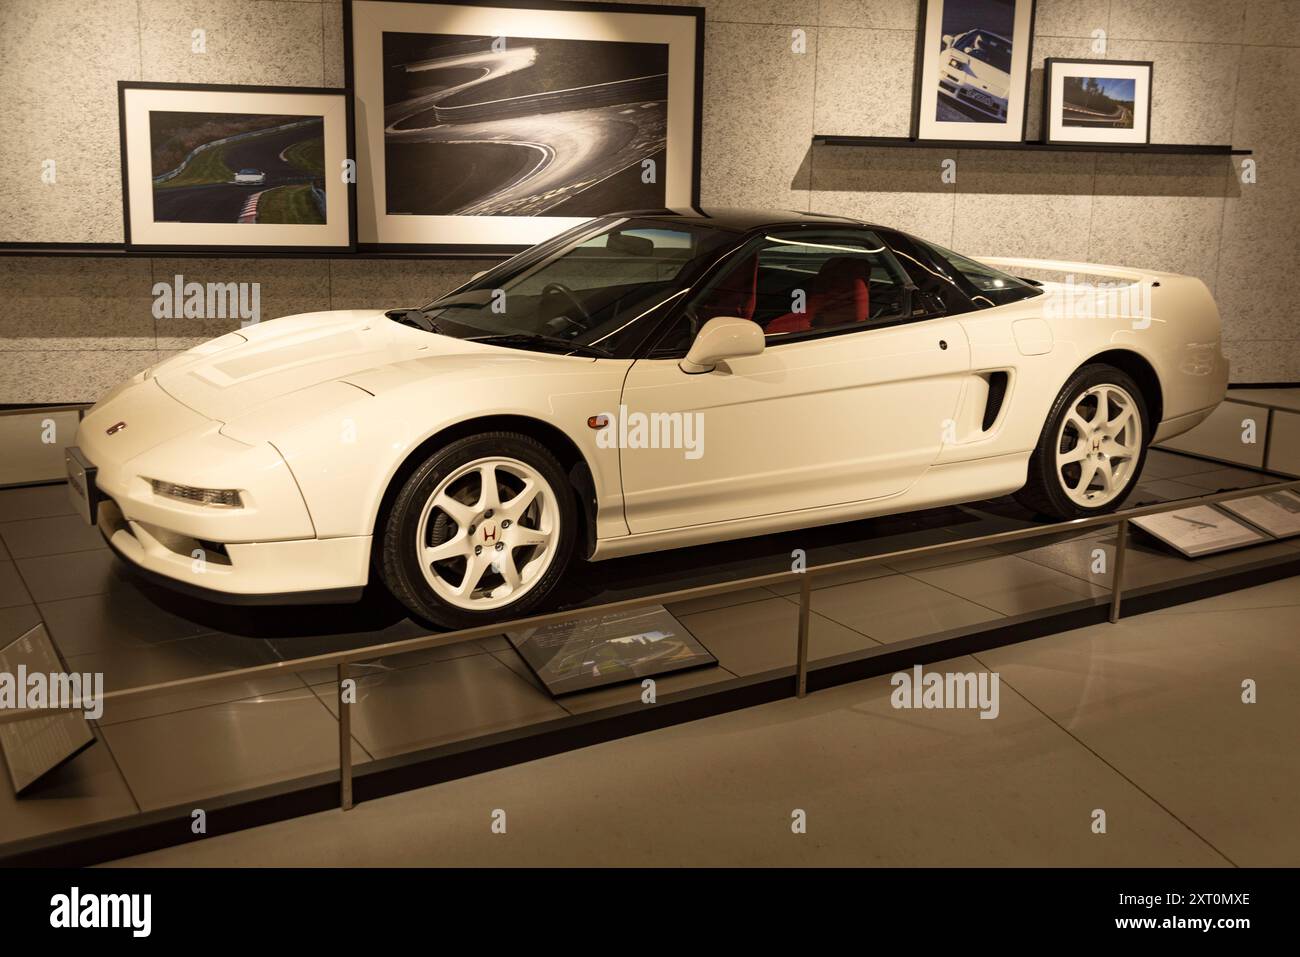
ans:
(308, 571)
(266, 551)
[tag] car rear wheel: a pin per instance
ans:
(481, 531)
(1092, 448)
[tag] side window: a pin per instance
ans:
(802, 283)
(988, 286)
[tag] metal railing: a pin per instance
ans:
(343, 660)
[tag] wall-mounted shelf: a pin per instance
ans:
(906, 142)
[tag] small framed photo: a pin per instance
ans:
(214, 168)
(1097, 101)
(972, 70)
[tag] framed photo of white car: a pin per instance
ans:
(485, 127)
(1097, 102)
(972, 70)
(214, 168)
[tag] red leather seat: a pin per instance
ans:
(735, 295)
(840, 294)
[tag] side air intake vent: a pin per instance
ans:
(997, 392)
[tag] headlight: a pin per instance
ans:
(209, 497)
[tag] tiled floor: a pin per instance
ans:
(184, 747)
(1142, 720)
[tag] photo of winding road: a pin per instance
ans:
(237, 168)
(521, 126)
(1098, 102)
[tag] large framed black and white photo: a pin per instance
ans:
(972, 70)
(488, 127)
(1097, 101)
(254, 168)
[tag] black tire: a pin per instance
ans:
(397, 559)
(1043, 493)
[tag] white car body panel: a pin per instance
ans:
(312, 416)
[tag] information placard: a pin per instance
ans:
(35, 747)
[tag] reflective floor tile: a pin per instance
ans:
(897, 607)
(386, 663)
(409, 709)
(953, 557)
(126, 668)
(1168, 465)
(1010, 585)
(1162, 703)
(16, 621)
(36, 501)
(1164, 490)
(763, 635)
(87, 789)
(1145, 564)
(1223, 479)
(12, 590)
(859, 573)
(50, 536)
(187, 756)
(122, 618)
(1264, 552)
(74, 575)
(740, 597)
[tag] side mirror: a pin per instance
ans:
(725, 337)
(947, 39)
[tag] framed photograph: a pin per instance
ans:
(485, 128)
(972, 70)
(1097, 101)
(1200, 530)
(211, 168)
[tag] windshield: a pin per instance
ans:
(993, 50)
(599, 288)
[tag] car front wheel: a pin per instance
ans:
(1092, 448)
(481, 531)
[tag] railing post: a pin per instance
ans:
(1117, 582)
(801, 660)
(345, 743)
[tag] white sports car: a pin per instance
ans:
(975, 70)
(641, 382)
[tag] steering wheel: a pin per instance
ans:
(553, 288)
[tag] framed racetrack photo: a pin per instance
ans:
(1097, 101)
(216, 168)
(484, 128)
(972, 70)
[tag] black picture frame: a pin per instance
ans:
(501, 251)
(1051, 64)
(228, 249)
(924, 50)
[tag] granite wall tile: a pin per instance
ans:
(1190, 21)
(1194, 87)
(63, 376)
(264, 42)
(380, 283)
(1272, 23)
(872, 14)
(1023, 204)
(860, 74)
(282, 287)
(758, 114)
(1071, 18)
(900, 188)
(60, 61)
(1044, 47)
(52, 303)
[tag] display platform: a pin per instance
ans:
(259, 750)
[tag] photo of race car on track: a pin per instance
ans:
(237, 168)
(1091, 101)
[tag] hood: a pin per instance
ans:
(233, 376)
(988, 77)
